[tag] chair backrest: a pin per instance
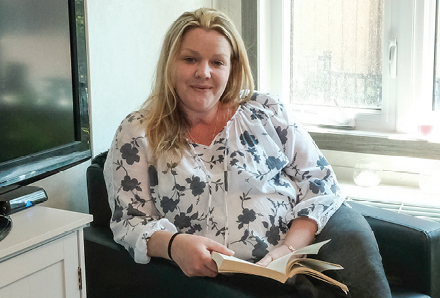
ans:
(97, 192)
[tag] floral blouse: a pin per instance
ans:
(261, 172)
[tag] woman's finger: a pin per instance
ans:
(265, 261)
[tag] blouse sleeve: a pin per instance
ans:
(318, 192)
(134, 215)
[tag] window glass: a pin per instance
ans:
(336, 53)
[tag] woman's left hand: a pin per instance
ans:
(274, 254)
(301, 233)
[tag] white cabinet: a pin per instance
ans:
(43, 255)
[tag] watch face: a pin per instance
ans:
(5, 226)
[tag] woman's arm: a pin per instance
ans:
(134, 215)
(318, 192)
(318, 195)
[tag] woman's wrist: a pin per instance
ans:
(170, 243)
(290, 247)
(157, 245)
(301, 233)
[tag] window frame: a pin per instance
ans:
(388, 129)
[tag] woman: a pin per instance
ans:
(229, 169)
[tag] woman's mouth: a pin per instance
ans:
(201, 87)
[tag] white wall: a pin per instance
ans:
(67, 189)
(124, 40)
(124, 43)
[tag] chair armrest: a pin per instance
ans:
(102, 236)
(410, 248)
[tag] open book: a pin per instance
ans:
(283, 268)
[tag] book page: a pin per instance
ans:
(317, 265)
(282, 268)
(318, 275)
(311, 249)
(231, 258)
(283, 264)
(228, 264)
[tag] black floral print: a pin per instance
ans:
(247, 139)
(197, 187)
(168, 205)
(243, 190)
(129, 184)
(130, 153)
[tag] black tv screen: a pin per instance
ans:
(36, 77)
(44, 124)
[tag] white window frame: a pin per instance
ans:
(407, 98)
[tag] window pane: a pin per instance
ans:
(337, 53)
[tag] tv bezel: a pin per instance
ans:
(31, 168)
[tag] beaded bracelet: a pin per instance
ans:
(290, 247)
(171, 242)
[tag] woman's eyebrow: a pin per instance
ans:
(196, 53)
(191, 51)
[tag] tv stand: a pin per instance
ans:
(43, 255)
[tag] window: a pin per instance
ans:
(398, 90)
(336, 57)
(372, 61)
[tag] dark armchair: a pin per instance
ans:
(410, 248)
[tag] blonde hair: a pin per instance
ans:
(166, 124)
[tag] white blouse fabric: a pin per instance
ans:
(261, 172)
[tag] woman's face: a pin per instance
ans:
(202, 70)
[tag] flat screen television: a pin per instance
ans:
(44, 118)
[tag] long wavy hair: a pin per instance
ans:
(167, 125)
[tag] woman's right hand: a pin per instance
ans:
(193, 254)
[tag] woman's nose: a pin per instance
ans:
(203, 70)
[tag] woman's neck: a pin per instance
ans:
(204, 129)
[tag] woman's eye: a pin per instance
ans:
(190, 59)
(219, 63)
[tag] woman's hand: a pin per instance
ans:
(301, 233)
(274, 254)
(193, 254)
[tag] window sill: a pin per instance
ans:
(375, 143)
(390, 193)
(406, 200)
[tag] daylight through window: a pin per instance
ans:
(336, 53)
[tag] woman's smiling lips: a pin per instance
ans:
(201, 87)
